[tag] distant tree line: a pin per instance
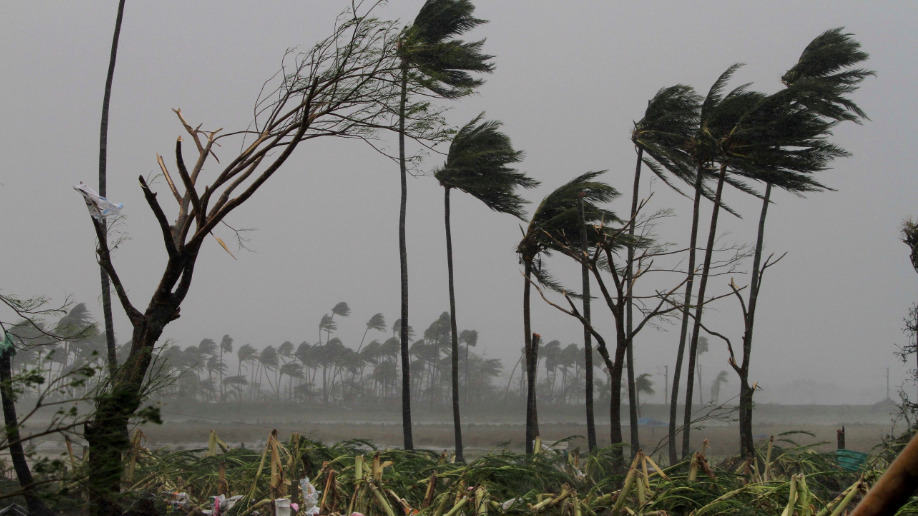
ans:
(326, 371)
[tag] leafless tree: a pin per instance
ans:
(607, 264)
(342, 87)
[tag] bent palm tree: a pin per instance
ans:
(781, 140)
(712, 115)
(814, 101)
(556, 222)
(668, 122)
(478, 163)
(642, 383)
(433, 61)
(715, 386)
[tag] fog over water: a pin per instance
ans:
(570, 78)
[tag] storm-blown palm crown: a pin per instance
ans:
(823, 75)
(556, 221)
(437, 61)
(769, 138)
(662, 134)
(478, 164)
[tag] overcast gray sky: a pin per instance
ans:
(570, 78)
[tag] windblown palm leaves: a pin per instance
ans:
(556, 221)
(478, 163)
(823, 76)
(662, 134)
(436, 60)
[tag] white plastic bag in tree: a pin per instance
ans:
(99, 207)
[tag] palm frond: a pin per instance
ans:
(439, 62)
(478, 164)
(823, 75)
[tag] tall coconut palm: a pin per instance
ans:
(701, 156)
(703, 347)
(814, 100)
(556, 222)
(328, 324)
(668, 122)
(433, 61)
(246, 353)
(267, 359)
(776, 139)
(478, 163)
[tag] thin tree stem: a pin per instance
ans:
(457, 426)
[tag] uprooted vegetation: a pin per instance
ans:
(355, 476)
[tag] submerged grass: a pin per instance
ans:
(354, 476)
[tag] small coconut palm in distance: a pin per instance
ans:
(479, 164)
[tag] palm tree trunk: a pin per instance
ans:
(696, 328)
(457, 427)
(530, 343)
(629, 306)
(532, 377)
(587, 336)
(747, 448)
(103, 156)
(17, 454)
(686, 302)
(403, 261)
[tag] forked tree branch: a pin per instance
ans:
(105, 260)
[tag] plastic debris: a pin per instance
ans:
(310, 497)
(177, 500)
(99, 207)
(511, 502)
(282, 507)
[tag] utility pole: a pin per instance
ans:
(887, 383)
